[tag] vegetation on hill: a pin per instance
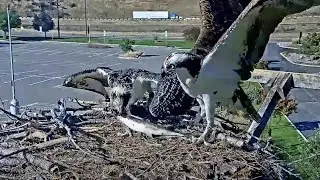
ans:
(311, 44)
(112, 8)
(105, 8)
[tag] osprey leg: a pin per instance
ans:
(200, 115)
(209, 107)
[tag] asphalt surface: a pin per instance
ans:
(40, 68)
(272, 53)
(307, 118)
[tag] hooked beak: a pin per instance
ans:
(67, 83)
(167, 67)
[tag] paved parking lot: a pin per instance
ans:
(40, 68)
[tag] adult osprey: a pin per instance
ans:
(215, 80)
(216, 17)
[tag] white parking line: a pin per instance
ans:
(24, 49)
(39, 62)
(96, 54)
(71, 53)
(56, 52)
(99, 64)
(33, 51)
(28, 105)
(112, 54)
(74, 63)
(31, 76)
(55, 62)
(57, 86)
(60, 77)
(83, 53)
(19, 73)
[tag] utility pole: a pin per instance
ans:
(85, 16)
(58, 19)
(14, 104)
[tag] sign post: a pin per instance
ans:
(166, 36)
(14, 104)
(89, 38)
(104, 36)
(300, 36)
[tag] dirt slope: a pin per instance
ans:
(110, 8)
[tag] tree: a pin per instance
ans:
(44, 20)
(15, 22)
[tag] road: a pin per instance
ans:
(307, 118)
(40, 68)
(273, 51)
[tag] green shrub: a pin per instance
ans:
(261, 65)
(126, 45)
(311, 44)
(191, 33)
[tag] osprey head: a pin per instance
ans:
(177, 60)
(103, 70)
(68, 82)
(120, 97)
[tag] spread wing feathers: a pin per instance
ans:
(240, 47)
(93, 85)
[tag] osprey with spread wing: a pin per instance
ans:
(215, 80)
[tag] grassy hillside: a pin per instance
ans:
(108, 8)
(113, 8)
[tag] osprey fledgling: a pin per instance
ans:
(215, 80)
(128, 86)
(122, 87)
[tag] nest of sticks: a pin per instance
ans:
(89, 143)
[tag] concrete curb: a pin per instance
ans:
(306, 65)
(299, 132)
(281, 44)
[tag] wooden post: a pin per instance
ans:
(280, 88)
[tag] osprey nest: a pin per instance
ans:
(85, 141)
